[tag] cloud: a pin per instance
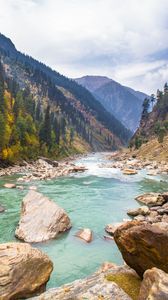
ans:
(124, 39)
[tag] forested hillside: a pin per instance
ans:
(45, 112)
(153, 130)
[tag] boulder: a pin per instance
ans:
(76, 169)
(51, 162)
(111, 228)
(143, 210)
(143, 245)
(94, 287)
(154, 285)
(85, 234)
(24, 271)
(41, 219)
(151, 199)
(130, 172)
(10, 185)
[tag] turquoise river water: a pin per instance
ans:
(92, 199)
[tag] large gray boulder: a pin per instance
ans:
(24, 271)
(41, 219)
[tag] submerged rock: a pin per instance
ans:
(154, 285)
(41, 219)
(152, 199)
(85, 234)
(143, 245)
(10, 185)
(2, 209)
(111, 228)
(24, 271)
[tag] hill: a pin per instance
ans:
(70, 106)
(121, 101)
(151, 138)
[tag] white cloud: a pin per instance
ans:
(105, 37)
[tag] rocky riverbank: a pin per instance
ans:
(130, 164)
(142, 242)
(42, 169)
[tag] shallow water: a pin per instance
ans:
(92, 199)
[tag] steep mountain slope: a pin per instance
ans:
(71, 106)
(123, 102)
(151, 138)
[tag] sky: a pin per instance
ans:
(126, 40)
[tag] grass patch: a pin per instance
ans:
(128, 282)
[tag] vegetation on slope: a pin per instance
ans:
(79, 108)
(27, 131)
(153, 124)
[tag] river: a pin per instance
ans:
(92, 199)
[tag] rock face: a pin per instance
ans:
(143, 245)
(152, 199)
(24, 271)
(41, 219)
(154, 285)
(85, 234)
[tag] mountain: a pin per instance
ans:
(121, 101)
(151, 138)
(74, 116)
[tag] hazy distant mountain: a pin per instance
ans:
(123, 102)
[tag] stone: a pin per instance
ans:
(165, 218)
(76, 169)
(111, 228)
(41, 219)
(33, 188)
(143, 245)
(51, 162)
(24, 271)
(20, 187)
(152, 173)
(130, 172)
(85, 234)
(151, 199)
(107, 237)
(2, 209)
(94, 287)
(154, 285)
(143, 210)
(10, 185)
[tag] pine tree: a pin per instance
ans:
(45, 132)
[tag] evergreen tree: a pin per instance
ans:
(145, 105)
(45, 132)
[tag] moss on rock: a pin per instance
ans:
(128, 282)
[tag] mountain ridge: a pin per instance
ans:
(123, 102)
